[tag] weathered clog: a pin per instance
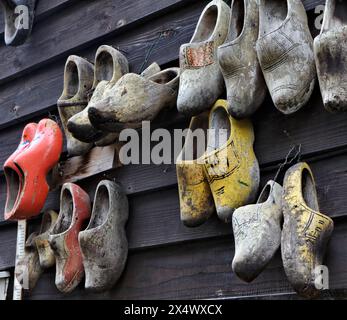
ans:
(14, 35)
(28, 266)
(28, 191)
(201, 82)
(46, 254)
(257, 232)
(110, 66)
(74, 214)
(330, 49)
(134, 99)
(78, 82)
(104, 244)
(285, 53)
(306, 231)
(14, 178)
(246, 88)
(196, 200)
(231, 166)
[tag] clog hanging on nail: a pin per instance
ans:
(33, 165)
(306, 231)
(237, 57)
(78, 82)
(330, 49)
(134, 99)
(257, 232)
(104, 244)
(201, 82)
(17, 35)
(46, 254)
(110, 66)
(196, 200)
(14, 177)
(28, 266)
(231, 166)
(74, 214)
(285, 53)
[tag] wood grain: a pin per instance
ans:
(200, 270)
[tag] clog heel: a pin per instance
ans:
(201, 82)
(46, 254)
(34, 163)
(104, 244)
(110, 66)
(231, 166)
(196, 201)
(74, 214)
(330, 49)
(306, 231)
(14, 178)
(257, 232)
(28, 266)
(78, 82)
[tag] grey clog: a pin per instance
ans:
(257, 232)
(285, 53)
(330, 49)
(201, 82)
(104, 244)
(246, 88)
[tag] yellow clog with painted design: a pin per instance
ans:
(306, 231)
(231, 166)
(196, 201)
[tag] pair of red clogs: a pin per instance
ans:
(26, 169)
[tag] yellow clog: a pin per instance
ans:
(231, 166)
(196, 201)
(306, 232)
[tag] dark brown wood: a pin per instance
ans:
(96, 21)
(200, 270)
(154, 215)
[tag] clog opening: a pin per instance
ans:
(221, 129)
(66, 213)
(13, 188)
(72, 81)
(104, 67)
(340, 14)
(309, 190)
(46, 222)
(265, 193)
(272, 13)
(164, 77)
(207, 24)
(196, 139)
(101, 208)
(237, 19)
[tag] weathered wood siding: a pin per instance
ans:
(166, 260)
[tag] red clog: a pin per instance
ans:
(33, 165)
(12, 173)
(75, 209)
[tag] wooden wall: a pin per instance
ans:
(166, 260)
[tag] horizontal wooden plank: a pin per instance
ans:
(154, 216)
(43, 10)
(38, 95)
(200, 270)
(75, 28)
